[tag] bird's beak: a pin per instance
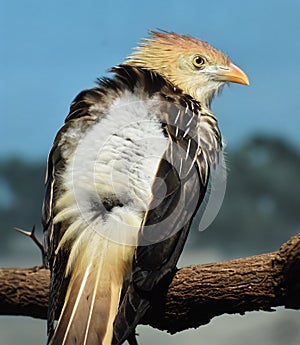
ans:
(232, 74)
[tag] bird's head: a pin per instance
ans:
(191, 64)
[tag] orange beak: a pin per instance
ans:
(233, 74)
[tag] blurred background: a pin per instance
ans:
(49, 51)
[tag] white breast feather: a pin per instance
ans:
(117, 156)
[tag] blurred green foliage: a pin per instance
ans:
(21, 195)
(259, 212)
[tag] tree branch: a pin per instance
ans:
(195, 295)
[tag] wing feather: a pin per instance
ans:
(79, 119)
(164, 230)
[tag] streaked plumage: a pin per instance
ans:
(126, 174)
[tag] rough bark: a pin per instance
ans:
(195, 295)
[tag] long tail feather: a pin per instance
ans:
(130, 312)
(92, 299)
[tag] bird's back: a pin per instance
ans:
(126, 175)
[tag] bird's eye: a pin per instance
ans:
(198, 61)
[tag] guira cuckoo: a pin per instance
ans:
(126, 174)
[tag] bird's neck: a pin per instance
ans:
(202, 93)
(204, 96)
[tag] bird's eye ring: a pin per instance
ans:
(198, 61)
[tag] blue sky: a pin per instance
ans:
(49, 51)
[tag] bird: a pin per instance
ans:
(126, 175)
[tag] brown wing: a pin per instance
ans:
(80, 118)
(183, 176)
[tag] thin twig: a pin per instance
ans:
(31, 234)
